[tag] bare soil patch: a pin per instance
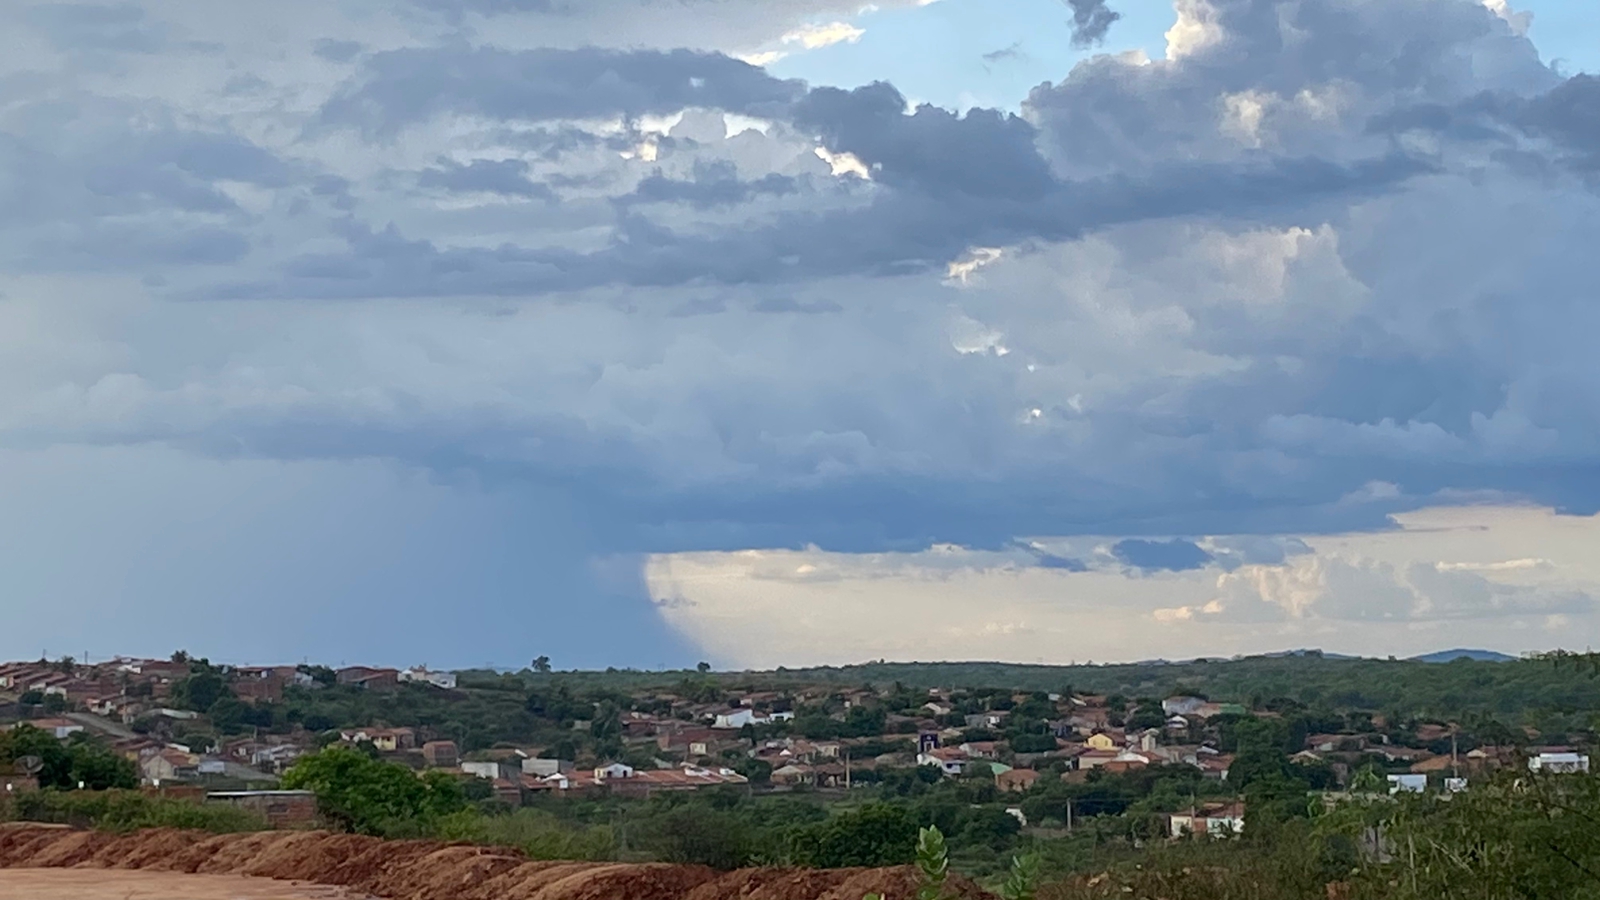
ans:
(194, 866)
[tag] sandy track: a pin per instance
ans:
(100, 884)
(409, 870)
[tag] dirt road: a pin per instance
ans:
(102, 884)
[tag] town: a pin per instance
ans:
(228, 734)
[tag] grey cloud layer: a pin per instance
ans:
(1325, 245)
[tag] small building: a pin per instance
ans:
(421, 675)
(547, 767)
(949, 760)
(1408, 784)
(794, 775)
(169, 764)
(1100, 740)
(1562, 762)
(1211, 820)
(281, 809)
(386, 740)
(494, 770)
(441, 754)
(1094, 758)
(1016, 780)
(61, 729)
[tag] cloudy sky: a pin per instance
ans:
(639, 332)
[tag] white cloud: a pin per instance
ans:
(1373, 593)
(815, 37)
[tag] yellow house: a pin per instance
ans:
(1101, 741)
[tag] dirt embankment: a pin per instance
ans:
(427, 870)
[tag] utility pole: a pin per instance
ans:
(1069, 817)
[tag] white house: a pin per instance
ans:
(741, 717)
(489, 770)
(949, 761)
(1410, 784)
(422, 675)
(738, 718)
(1564, 763)
(615, 770)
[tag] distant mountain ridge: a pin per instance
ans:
(1444, 656)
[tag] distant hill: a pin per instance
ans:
(1444, 656)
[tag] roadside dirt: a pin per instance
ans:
(195, 866)
(90, 884)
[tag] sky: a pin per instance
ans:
(786, 332)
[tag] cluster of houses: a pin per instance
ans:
(694, 744)
(106, 698)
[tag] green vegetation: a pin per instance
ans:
(364, 795)
(124, 811)
(78, 760)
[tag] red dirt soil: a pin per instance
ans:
(428, 870)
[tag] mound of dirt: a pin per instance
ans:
(428, 870)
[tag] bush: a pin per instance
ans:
(125, 811)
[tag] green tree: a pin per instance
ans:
(877, 834)
(541, 664)
(367, 796)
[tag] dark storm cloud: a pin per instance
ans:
(495, 176)
(715, 184)
(1091, 19)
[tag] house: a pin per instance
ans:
(1212, 820)
(508, 769)
(613, 771)
(368, 678)
(1177, 723)
(936, 708)
(645, 782)
(994, 718)
(547, 767)
(950, 760)
(1127, 761)
(1434, 764)
(1016, 780)
(258, 690)
(1335, 743)
(794, 774)
(739, 718)
(421, 675)
(1410, 784)
(387, 740)
(981, 749)
(1148, 739)
(441, 754)
(17, 784)
(1095, 757)
(169, 764)
(831, 775)
(60, 728)
(1558, 761)
(1215, 766)
(1100, 740)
